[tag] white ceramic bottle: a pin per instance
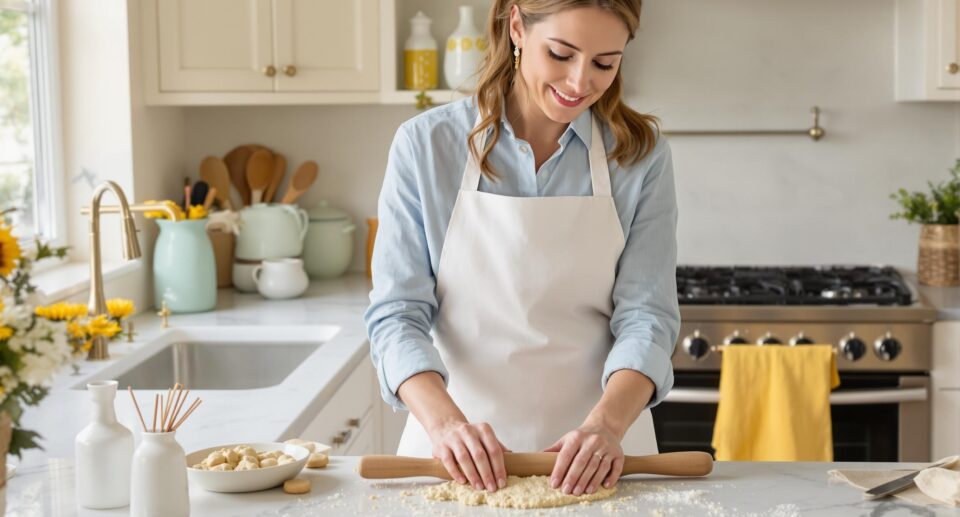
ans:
(103, 453)
(159, 478)
(465, 48)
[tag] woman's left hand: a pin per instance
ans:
(588, 456)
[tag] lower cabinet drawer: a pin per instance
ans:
(341, 419)
(363, 444)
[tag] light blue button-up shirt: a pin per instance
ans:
(424, 171)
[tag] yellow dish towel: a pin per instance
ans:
(775, 403)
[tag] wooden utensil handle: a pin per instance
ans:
(691, 463)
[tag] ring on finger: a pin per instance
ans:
(599, 455)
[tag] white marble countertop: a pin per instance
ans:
(733, 489)
(225, 416)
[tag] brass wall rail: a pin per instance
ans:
(815, 132)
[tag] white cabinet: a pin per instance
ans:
(945, 385)
(261, 51)
(349, 422)
(927, 50)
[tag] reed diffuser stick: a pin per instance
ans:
(139, 414)
(193, 406)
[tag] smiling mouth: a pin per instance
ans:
(565, 99)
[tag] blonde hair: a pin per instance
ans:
(635, 133)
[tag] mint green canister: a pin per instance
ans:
(184, 270)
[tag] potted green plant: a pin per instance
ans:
(938, 261)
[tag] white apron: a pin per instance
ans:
(524, 289)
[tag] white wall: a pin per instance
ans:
(731, 64)
(108, 131)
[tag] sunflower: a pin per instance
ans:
(196, 212)
(5, 332)
(9, 250)
(101, 326)
(120, 308)
(62, 311)
(76, 331)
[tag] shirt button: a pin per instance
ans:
(523, 149)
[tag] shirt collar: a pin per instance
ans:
(582, 127)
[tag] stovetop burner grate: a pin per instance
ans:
(799, 285)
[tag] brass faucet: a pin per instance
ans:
(131, 250)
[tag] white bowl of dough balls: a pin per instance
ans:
(246, 467)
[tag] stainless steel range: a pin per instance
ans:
(881, 330)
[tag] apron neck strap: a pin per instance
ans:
(599, 171)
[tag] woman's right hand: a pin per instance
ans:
(470, 450)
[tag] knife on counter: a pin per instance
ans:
(904, 482)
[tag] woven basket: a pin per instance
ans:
(938, 262)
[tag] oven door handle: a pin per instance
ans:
(839, 398)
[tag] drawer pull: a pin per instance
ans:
(337, 440)
(354, 422)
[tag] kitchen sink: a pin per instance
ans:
(251, 360)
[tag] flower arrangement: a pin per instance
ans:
(82, 328)
(940, 207)
(32, 348)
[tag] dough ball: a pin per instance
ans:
(271, 454)
(296, 486)
(284, 459)
(245, 450)
(268, 462)
(247, 465)
(199, 466)
(251, 459)
(233, 457)
(215, 458)
(317, 461)
(223, 467)
(302, 443)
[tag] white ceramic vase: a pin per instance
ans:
(159, 484)
(465, 48)
(103, 451)
(279, 279)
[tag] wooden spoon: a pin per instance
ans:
(279, 169)
(259, 173)
(691, 463)
(215, 173)
(302, 178)
(236, 161)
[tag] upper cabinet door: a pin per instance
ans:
(949, 42)
(326, 45)
(215, 45)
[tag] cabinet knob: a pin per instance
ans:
(953, 68)
(354, 422)
(337, 440)
(269, 71)
(290, 70)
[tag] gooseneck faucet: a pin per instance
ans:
(131, 250)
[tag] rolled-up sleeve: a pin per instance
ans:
(646, 315)
(403, 300)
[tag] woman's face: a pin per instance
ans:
(569, 59)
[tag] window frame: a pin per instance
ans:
(45, 110)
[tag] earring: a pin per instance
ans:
(516, 57)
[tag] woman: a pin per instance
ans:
(535, 227)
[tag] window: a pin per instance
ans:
(30, 177)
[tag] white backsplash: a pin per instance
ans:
(734, 64)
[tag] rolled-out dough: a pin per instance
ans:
(520, 492)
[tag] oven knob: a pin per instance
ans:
(887, 347)
(696, 345)
(852, 347)
(800, 339)
(769, 339)
(735, 339)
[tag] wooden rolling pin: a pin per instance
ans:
(690, 463)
